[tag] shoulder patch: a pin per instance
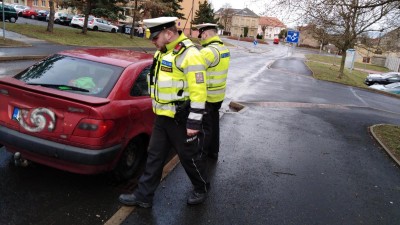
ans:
(199, 77)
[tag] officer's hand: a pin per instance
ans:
(191, 132)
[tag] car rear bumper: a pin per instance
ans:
(53, 150)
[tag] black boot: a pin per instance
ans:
(131, 200)
(196, 198)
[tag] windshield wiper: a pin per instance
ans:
(61, 87)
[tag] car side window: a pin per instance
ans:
(140, 87)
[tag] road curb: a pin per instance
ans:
(26, 57)
(371, 130)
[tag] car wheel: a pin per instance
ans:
(20, 14)
(13, 20)
(131, 160)
(113, 30)
(32, 17)
(95, 28)
(57, 21)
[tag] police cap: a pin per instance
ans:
(156, 25)
(205, 26)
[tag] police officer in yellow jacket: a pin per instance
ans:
(177, 83)
(217, 58)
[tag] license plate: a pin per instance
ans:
(16, 113)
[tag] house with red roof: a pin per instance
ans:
(270, 27)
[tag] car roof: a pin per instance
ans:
(117, 57)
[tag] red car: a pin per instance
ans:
(84, 111)
(30, 13)
(276, 40)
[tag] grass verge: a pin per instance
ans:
(389, 135)
(330, 72)
(69, 36)
(336, 61)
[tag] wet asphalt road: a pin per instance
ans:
(300, 153)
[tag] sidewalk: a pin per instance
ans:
(37, 49)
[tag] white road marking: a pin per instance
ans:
(125, 211)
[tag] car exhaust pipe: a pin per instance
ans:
(19, 161)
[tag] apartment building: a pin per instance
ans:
(272, 26)
(235, 20)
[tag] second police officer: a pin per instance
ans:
(217, 58)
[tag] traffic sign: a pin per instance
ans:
(293, 36)
(255, 42)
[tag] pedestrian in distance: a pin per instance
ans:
(177, 83)
(140, 31)
(217, 58)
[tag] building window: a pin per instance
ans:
(43, 3)
(35, 3)
(16, 1)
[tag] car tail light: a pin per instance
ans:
(91, 22)
(93, 128)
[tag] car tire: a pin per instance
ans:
(32, 17)
(95, 28)
(113, 30)
(132, 159)
(57, 21)
(13, 20)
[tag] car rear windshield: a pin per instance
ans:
(61, 72)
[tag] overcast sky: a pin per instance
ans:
(257, 6)
(238, 4)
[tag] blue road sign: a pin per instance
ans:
(255, 42)
(293, 36)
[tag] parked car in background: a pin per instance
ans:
(10, 13)
(393, 88)
(42, 15)
(65, 19)
(383, 78)
(85, 111)
(61, 18)
(98, 24)
(30, 13)
(78, 20)
(276, 40)
(20, 8)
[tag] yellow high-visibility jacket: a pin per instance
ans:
(217, 58)
(179, 75)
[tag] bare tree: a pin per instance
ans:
(50, 24)
(226, 16)
(263, 28)
(341, 21)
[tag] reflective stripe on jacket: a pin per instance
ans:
(217, 58)
(179, 75)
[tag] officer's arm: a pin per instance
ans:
(194, 68)
(208, 55)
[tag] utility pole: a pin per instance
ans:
(190, 32)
